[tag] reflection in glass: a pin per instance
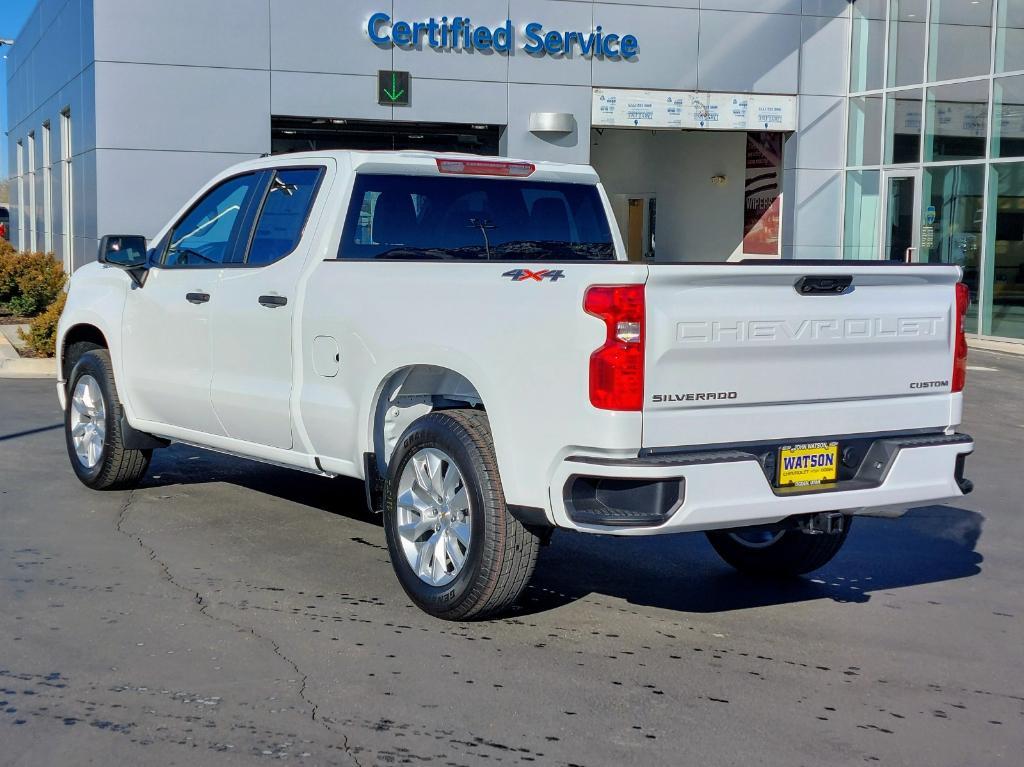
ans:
(1004, 310)
(961, 34)
(953, 201)
(860, 229)
(957, 118)
(906, 42)
(867, 56)
(864, 137)
(1008, 117)
(903, 127)
(1010, 36)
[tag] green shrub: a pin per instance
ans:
(8, 271)
(29, 282)
(42, 331)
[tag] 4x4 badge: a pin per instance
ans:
(521, 275)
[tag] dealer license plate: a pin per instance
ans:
(808, 465)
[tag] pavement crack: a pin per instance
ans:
(197, 599)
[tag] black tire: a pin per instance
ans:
(502, 552)
(793, 553)
(118, 467)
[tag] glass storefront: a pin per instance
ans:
(935, 146)
(860, 225)
(956, 194)
(1004, 305)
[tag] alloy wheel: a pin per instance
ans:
(433, 516)
(88, 421)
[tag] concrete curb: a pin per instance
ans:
(12, 365)
(1005, 347)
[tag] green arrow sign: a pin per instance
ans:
(393, 88)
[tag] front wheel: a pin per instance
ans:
(457, 551)
(774, 551)
(92, 427)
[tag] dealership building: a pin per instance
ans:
(722, 129)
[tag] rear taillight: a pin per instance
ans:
(617, 367)
(963, 298)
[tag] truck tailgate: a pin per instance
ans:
(739, 352)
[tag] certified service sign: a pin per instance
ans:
(459, 33)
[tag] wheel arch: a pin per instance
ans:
(407, 393)
(81, 332)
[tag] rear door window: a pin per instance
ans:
(474, 219)
(283, 217)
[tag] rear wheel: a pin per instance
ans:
(457, 551)
(776, 551)
(92, 427)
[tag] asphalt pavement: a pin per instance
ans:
(229, 612)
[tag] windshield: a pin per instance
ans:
(471, 218)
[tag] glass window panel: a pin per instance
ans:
(960, 41)
(903, 126)
(860, 227)
(283, 218)
(956, 192)
(867, 57)
(1008, 117)
(207, 234)
(956, 124)
(1010, 36)
(473, 218)
(864, 137)
(1005, 303)
(907, 41)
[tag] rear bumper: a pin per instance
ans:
(710, 490)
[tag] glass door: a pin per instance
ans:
(901, 216)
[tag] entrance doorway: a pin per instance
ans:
(641, 219)
(901, 216)
(688, 195)
(311, 134)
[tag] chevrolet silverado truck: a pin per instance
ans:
(467, 336)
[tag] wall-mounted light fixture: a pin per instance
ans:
(552, 122)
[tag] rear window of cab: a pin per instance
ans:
(470, 218)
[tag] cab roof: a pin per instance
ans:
(416, 162)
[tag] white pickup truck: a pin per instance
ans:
(467, 336)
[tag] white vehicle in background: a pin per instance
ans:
(466, 336)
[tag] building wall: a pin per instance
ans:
(50, 69)
(184, 89)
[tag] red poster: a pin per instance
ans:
(762, 198)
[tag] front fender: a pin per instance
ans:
(96, 298)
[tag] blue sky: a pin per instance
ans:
(12, 18)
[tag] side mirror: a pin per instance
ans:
(128, 252)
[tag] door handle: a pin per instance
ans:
(197, 298)
(272, 302)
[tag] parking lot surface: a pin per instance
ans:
(229, 611)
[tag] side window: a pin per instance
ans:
(207, 233)
(285, 211)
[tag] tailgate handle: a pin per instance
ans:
(823, 286)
